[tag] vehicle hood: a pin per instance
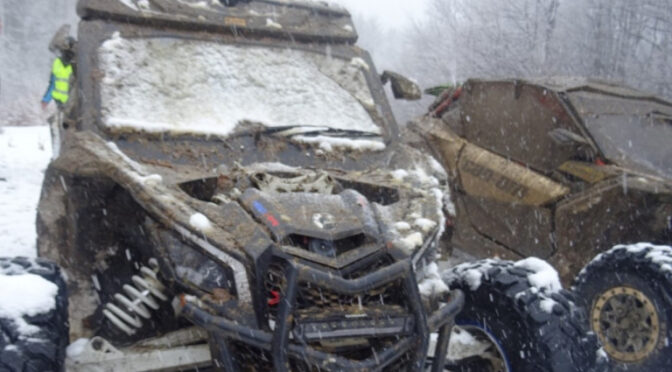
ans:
(241, 210)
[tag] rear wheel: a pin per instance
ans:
(34, 324)
(521, 322)
(627, 292)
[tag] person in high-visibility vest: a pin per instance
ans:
(61, 72)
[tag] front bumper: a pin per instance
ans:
(288, 340)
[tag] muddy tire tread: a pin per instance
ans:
(44, 351)
(561, 342)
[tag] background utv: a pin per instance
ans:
(563, 170)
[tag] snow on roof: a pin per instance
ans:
(136, 4)
(201, 87)
(217, 3)
(326, 3)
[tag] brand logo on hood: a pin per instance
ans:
(265, 213)
(323, 220)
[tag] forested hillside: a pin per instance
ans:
(622, 41)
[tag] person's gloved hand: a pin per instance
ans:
(44, 105)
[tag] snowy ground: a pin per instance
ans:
(24, 154)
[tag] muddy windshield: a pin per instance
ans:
(632, 129)
(635, 141)
(194, 86)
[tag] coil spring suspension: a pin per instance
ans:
(137, 301)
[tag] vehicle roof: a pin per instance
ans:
(573, 84)
(528, 110)
(288, 19)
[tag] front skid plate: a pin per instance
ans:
(100, 356)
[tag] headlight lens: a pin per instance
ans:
(195, 268)
(206, 275)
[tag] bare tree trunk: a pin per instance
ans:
(551, 14)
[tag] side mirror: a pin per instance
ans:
(565, 137)
(402, 87)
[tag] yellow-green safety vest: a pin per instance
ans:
(62, 75)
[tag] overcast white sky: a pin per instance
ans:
(391, 14)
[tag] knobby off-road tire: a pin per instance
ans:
(44, 350)
(627, 293)
(516, 316)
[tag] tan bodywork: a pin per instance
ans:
(484, 174)
(494, 187)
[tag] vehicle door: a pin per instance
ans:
(505, 169)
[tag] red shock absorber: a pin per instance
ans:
(275, 298)
(445, 104)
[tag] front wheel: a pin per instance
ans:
(518, 319)
(628, 294)
(33, 316)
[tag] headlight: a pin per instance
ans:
(206, 275)
(192, 267)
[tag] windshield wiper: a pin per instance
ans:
(306, 130)
(659, 116)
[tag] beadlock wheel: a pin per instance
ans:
(627, 292)
(627, 323)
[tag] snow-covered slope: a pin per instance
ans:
(24, 154)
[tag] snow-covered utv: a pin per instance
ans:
(231, 192)
(564, 170)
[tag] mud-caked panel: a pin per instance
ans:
(610, 213)
(523, 112)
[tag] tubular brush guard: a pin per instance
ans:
(290, 339)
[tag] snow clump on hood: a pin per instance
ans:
(431, 285)
(200, 222)
(541, 275)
